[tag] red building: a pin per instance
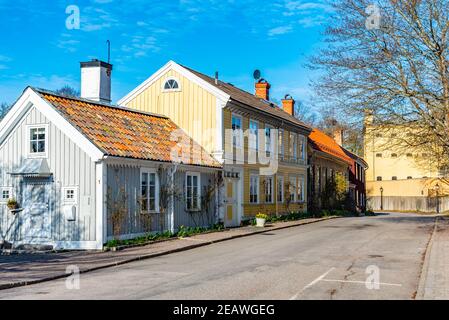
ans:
(357, 180)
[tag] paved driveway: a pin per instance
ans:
(326, 260)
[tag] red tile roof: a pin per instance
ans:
(322, 142)
(127, 133)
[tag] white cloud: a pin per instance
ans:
(279, 31)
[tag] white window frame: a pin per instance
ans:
(251, 176)
(281, 143)
(198, 175)
(237, 135)
(65, 200)
(293, 184)
(10, 195)
(302, 151)
(251, 135)
(294, 145)
(149, 171)
(268, 140)
(28, 143)
(301, 183)
(271, 178)
(280, 182)
(171, 90)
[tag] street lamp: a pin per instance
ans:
(381, 199)
(437, 189)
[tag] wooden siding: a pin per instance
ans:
(192, 108)
(127, 178)
(71, 167)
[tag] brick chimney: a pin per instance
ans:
(263, 89)
(288, 104)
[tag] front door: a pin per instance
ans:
(231, 214)
(36, 205)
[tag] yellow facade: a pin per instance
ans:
(192, 108)
(205, 117)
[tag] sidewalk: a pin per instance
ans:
(22, 270)
(435, 277)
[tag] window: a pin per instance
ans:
(378, 135)
(394, 155)
(409, 155)
(294, 145)
(70, 195)
(302, 147)
(254, 189)
(280, 190)
(394, 178)
(379, 155)
(281, 143)
(149, 191)
(5, 194)
(269, 189)
(300, 190)
(193, 194)
(409, 178)
(268, 142)
(237, 131)
(379, 178)
(292, 189)
(171, 85)
(254, 135)
(38, 140)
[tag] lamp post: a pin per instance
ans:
(381, 199)
(437, 189)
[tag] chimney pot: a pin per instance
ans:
(263, 89)
(96, 81)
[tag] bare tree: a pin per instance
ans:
(390, 58)
(68, 91)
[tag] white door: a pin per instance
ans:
(36, 205)
(232, 213)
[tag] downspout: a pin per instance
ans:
(172, 199)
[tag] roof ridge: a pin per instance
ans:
(268, 103)
(98, 103)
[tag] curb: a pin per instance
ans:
(155, 255)
(425, 265)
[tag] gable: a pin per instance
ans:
(29, 101)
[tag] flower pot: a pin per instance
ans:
(260, 223)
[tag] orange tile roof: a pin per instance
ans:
(322, 142)
(127, 133)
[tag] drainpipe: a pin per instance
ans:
(172, 199)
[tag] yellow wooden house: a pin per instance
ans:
(262, 146)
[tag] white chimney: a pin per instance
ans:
(96, 81)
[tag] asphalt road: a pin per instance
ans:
(326, 260)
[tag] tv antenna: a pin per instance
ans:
(257, 75)
(109, 51)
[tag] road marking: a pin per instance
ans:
(363, 282)
(312, 284)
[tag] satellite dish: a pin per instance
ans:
(257, 74)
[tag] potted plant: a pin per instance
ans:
(12, 204)
(261, 219)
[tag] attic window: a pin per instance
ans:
(171, 85)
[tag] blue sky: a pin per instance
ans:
(234, 37)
